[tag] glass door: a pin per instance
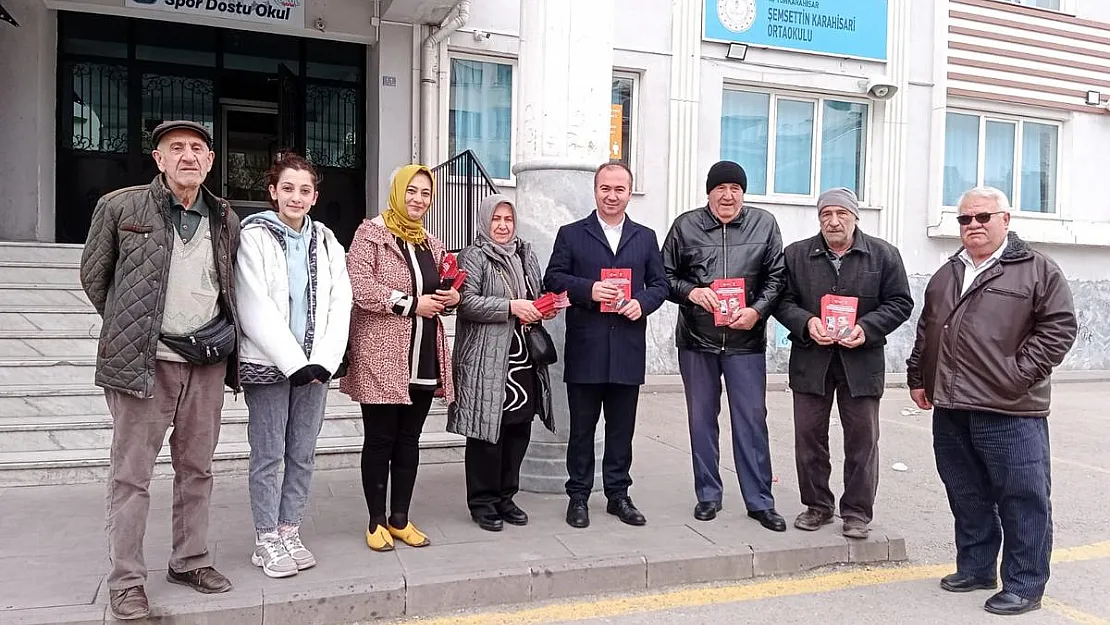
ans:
(251, 133)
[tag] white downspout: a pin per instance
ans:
(429, 75)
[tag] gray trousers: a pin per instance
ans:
(859, 417)
(745, 377)
(283, 425)
(189, 398)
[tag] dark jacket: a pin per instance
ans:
(605, 347)
(124, 268)
(872, 271)
(700, 249)
(994, 348)
(483, 338)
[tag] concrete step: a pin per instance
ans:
(40, 272)
(16, 344)
(47, 371)
(53, 319)
(91, 465)
(40, 252)
(42, 296)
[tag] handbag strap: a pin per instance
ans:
(505, 279)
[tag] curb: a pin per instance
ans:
(672, 383)
(434, 591)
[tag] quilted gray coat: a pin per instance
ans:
(124, 268)
(483, 338)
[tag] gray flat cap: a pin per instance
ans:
(180, 124)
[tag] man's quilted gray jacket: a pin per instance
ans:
(483, 338)
(124, 269)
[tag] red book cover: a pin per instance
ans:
(450, 276)
(839, 315)
(731, 297)
(622, 279)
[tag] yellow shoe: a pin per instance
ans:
(379, 539)
(410, 536)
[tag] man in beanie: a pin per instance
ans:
(850, 363)
(726, 240)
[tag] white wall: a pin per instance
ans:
(392, 129)
(27, 121)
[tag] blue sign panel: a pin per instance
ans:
(849, 28)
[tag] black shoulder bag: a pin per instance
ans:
(207, 345)
(541, 347)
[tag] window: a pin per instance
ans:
(620, 128)
(99, 94)
(481, 113)
(791, 145)
(1018, 156)
(1040, 4)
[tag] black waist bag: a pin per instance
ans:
(211, 343)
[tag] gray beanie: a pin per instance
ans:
(839, 196)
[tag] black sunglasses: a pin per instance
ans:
(965, 220)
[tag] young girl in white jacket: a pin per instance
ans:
(293, 299)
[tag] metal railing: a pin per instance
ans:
(461, 185)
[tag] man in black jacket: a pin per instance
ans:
(726, 240)
(845, 360)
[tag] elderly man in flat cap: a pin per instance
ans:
(838, 274)
(708, 253)
(158, 268)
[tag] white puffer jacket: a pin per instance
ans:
(262, 302)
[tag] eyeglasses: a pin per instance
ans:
(965, 220)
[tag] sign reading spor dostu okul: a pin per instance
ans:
(283, 12)
(847, 28)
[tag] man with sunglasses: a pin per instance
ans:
(998, 317)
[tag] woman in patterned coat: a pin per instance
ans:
(499, 389)
(398, 349)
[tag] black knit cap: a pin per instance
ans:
(725, 172)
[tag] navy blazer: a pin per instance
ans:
(602, 347)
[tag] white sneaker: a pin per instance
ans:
(270, 554)
(291, 538)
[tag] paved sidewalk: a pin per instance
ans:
(54, 559)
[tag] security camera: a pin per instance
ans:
(320, 24)
(880, 88)
(481, 35)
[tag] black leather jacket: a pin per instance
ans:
(700, 249)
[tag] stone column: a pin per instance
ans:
(566, 67)
(28, 70)
(892, 170)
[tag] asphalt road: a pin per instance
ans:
(911, 502)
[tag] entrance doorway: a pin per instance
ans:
(250, 140)
(256, 92)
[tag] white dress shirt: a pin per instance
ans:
(971, 272)
(612, 233)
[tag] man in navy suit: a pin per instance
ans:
(605, 352)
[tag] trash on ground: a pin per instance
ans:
(899, 466)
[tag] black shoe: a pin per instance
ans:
(512, 514)
(578, 513)
(707, 510)
(770, 519)
(1009, 604)
(205, 579)
(959, 582)
(624, 510)
(488, 522)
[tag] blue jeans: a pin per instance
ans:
(284, 423)
(996, 471)
(745, 377)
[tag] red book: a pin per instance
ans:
(622, 279)
(731, 297)
(839, 315)
(450, 276)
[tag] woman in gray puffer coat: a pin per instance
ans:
(498, 390)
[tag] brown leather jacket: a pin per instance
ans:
(123, 271)
(994, 348)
